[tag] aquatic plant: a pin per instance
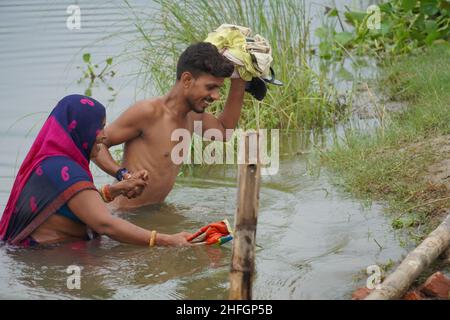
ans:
(94, 77)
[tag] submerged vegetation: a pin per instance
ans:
(307, 100)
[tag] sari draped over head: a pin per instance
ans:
(55, 169)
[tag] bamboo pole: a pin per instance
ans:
(398, 282)
(243, 256)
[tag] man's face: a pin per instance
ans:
(202, 91)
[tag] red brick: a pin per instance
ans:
(413, 295)
(361, 293)
(437, 285)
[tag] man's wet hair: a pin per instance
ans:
(203, 57)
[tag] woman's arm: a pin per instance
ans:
(126, 127)
(90, 208)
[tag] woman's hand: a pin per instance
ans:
(173, 240)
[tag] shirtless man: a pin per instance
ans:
(146, 127)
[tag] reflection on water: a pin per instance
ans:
(311, 240)
(110, 271)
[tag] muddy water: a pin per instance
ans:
(313, 241)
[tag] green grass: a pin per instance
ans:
(404, 26)
(306, 101)
(389, 164)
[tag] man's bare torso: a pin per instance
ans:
(152, 151)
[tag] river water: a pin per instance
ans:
(313, 241)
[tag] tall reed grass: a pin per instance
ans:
(306, 100)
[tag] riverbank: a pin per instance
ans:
(405, 162)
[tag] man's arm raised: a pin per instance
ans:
(229, 118)
(126, 127)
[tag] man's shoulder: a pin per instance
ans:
(150, 103)
(147, 107)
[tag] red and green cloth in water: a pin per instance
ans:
(216, 233)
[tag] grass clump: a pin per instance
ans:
(391, 163)
(306, 100)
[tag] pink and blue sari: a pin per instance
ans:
(55, 169)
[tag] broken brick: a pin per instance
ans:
(437, 285)
(413, 295)
(361, 293)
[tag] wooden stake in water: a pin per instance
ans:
(243, 256)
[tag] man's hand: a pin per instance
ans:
(141, 174)
(132, 186)
(137, 191)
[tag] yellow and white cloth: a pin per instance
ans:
(252, 55)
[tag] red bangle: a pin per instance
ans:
(106, 192)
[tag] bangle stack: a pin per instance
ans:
(152, 241)
(105, 192)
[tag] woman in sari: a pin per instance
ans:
(53, 198)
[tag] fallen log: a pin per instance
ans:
(399, 281)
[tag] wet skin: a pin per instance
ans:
(90, 208)
(146, 129)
